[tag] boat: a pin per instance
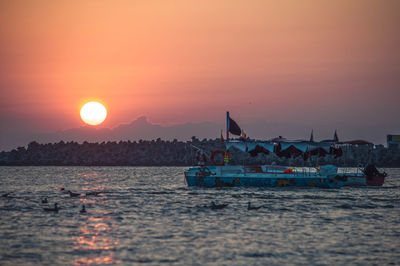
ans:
(369, 176)
(221, 174)
(262, 176)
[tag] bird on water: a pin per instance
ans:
(55, 209)
(83, 210)
(44, 200)
(72, 194)
(249, 207)
(218, 206)
(93, 193)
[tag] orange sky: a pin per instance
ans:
(180, 61)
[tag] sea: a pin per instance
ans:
(148, 216)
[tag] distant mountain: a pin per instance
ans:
(140, 128)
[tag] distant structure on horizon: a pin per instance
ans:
(393, 141)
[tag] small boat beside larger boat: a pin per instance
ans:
(369, 176)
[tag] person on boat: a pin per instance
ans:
(227, 158)
(201, 157)
(289, 170)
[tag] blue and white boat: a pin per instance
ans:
(221, 174)
(262, 176)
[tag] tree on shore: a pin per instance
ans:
(175, 153)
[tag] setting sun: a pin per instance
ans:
(93, 113)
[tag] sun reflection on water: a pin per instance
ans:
(96, 235)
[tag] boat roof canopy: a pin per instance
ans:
(247, 146)
(290, 148)
(271, 146)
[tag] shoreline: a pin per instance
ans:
(178, 153)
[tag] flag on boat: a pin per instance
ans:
(234, 127)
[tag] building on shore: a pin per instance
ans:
(393, 141)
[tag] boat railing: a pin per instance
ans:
(233, 171)
(301, 171)
(307, 172)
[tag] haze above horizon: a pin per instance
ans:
(296, 65)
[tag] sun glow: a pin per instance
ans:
(93, 113)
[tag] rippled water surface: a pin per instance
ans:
(147, 215)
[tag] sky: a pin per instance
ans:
(316, 64)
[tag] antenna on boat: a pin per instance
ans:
(227, 126)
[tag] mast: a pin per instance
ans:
(227, 126)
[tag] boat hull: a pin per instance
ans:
(217, 177)
(363, 180)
